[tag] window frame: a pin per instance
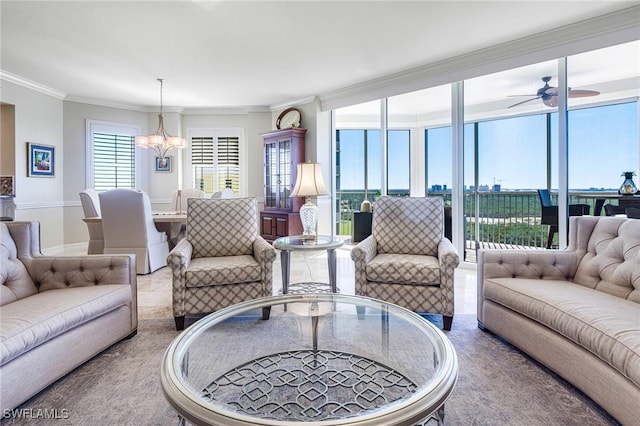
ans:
(108, 127)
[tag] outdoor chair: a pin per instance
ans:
(222, 261)
(633, 212)
(407, 260)
(612, 210)
(550, 213)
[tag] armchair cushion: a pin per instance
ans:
(233, 231)
(407, 225)
(404, 269)
(208, 271)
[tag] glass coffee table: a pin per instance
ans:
(329, 359)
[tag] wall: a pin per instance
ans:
(38, 118)
(75, 115)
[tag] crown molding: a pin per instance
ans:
(227, 110)
(103, 103)
(288, 104)
(599, 32)
(32, 85)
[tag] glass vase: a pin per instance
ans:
(628, 187)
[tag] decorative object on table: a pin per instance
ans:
(41, 160)
(163, 164)
(365, 206)
(6, 186)
(288, 118)
(161, 141)
(628, 187)
(309, 183)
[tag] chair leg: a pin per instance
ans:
(179, 323)
(266, 312)
(446, 322)
(552, 232)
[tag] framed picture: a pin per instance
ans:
(163, 164)
(42, 160)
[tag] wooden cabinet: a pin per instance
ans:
(283, 150)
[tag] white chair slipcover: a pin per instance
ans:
(127, 224)
(91, 207)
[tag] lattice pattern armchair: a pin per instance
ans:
(407, 260)
(222, 261)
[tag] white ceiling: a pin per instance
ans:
(228, 54)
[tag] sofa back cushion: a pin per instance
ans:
(15, 280)
(611, 262)
(222, 227)
(408, 225)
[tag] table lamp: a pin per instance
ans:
(309, 183)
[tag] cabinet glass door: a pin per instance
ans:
(270, 175)
(284, 190)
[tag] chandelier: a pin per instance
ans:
(161, 141)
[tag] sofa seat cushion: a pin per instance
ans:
(29, 322)
(404, 269)
(208, 271)
(606, 325)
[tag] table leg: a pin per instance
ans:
(284, 267)
(331, 259)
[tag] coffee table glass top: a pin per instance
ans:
(322, 361)
(322, 242)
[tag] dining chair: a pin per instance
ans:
(180, 197)
(550, 213)
(91, 208)
(225, 193)
(127, 223)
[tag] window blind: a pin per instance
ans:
(113, 161)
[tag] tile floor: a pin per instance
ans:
(154, 290)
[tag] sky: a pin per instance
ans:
(603, 143)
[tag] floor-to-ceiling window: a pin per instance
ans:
(511, 144)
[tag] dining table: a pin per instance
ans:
(623, 200)
(169, 222)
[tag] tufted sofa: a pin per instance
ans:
(576, 310)
(56, 312)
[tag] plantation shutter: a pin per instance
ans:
(216, 163)
(229, 163)
(114, 161)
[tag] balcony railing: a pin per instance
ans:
(506, 219)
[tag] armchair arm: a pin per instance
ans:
(448, 261)
(265, 254)
(362, 254)
(178, 260)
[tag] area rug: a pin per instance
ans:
(497, 385)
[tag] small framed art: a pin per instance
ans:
(163, 164)
(42, 160)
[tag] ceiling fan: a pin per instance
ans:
(549, 94)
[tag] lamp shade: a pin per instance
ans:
(309, 182)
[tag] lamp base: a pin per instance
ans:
(309, 219)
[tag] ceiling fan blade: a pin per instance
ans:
(529, 94)
(524, 102)
(582, 93)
